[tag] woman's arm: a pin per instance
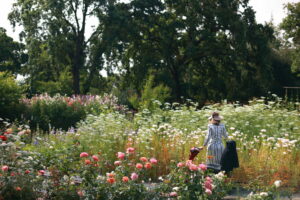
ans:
(207, 137)
(224, 133)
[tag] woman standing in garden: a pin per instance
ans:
(213, 141)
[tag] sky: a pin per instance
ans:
(265, 11)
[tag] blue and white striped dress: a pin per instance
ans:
(215, 148)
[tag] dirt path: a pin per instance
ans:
(242, 193)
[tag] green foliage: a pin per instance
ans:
(12, 55)
(54, 115)
(149, 94)
(55, 36)
(10, 94)
(60, 112)
(63, 85)
(290, 25)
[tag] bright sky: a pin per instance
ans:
(265, 10)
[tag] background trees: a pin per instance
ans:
(291, 27)
(12, 55)
(203, 50)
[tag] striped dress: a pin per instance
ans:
(215, 148)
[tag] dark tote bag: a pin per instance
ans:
(229, 159)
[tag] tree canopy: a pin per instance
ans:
(291, 27)
(203, 50)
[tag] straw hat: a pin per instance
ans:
(215, 116)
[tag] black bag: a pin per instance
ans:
(229, 159)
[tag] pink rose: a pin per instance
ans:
(188, 162)
(208, 191)
(95, 158)
(139, 166)
(121, 155)
(117, 163)
(41, 172)
(153, 161)
(180, 164)
(208, 179)
(84, 154)
(4, 168)
(148, 165)
(208, 185)
(125, 179)
(173, 194)
(80, 193)
(134, 176)
(193, 167)
(87, 162)
(130, 150)
(203, 167)
(143, 159)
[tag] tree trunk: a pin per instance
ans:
(76, 77)
(78, 61)
(177, 86)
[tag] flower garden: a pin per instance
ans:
(114, 154)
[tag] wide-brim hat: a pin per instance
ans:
(216, 118)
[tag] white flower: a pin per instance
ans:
(277, 183)
(220, 175)
(175, 188)
(66, 178)
(263, 194)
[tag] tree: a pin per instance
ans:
(56, 36)
(12, 55)
(201, 49)
(291, 26)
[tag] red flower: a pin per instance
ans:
(3, 137)
(130, 150)
(18, 188)
(4, 168)
(87, 162)
(27, 171)
(148, 165)
(111, 180)
(143, 159)
(139, 166)
(95, 158)
(41, 172)
(84, 154)
(125, 179)
(110, 175)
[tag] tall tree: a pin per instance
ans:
(55, 32)
(12, 55)
(201, 49)
(291, 27)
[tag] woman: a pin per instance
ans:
(213, 141)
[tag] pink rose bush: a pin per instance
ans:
(82, 171)
(194, 181)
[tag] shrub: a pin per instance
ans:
(10, 93)
(150, 95)
(61, 112)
